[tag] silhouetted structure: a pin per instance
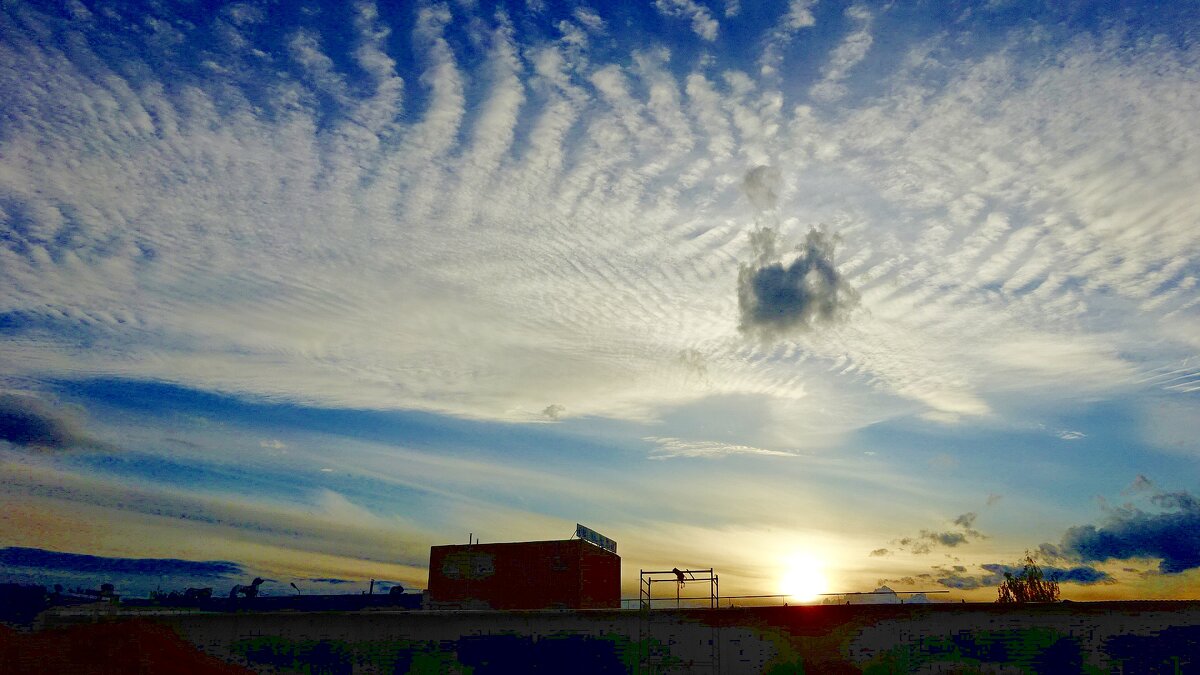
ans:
(250, 591)
(678, 578)
(198, 593)
(20, 603)
(566, 574)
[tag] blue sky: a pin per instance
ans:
(900, 291)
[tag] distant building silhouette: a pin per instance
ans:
(880, 596)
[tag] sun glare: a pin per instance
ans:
(803, 578)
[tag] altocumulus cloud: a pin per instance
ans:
(379, 180)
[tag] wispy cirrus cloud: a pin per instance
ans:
(668, 448)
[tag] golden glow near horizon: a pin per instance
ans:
(803, 577)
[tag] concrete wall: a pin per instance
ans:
(1129, 637)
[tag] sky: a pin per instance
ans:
(818, 294)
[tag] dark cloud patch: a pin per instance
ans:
(880, 552)
(959, 582)
(1139, 484)
(950, 539)
(775, 298)
(1183, 501)
(761, 185)
(906, 581)
(1081, 574)
(76, 563)
(330, 580)
(1051, 552)
(966, 520)
(963, 532)
(554, 412)
(956, 577)
(1172, 536)
(967, 523)
(31, 423)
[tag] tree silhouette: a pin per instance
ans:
(1030, 585)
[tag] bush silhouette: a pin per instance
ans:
(1030, 585)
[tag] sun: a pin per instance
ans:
(803, 578)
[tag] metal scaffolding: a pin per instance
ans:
(647, 579)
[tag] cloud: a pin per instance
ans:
(30, 422)
(703, 23)
(924, 542)
(1082, 575)
(950, 539)
(960, 582)
(845, 56)
(1140, 484)
(669, 448)
(589, 18)
(330, 537)
(955, 578)
(694, 362)
(777, 300)
(879, 552)
(351, 237)
(967, 522)
(1172, 536)
(799, 14)
(99, 566)
(554, 412)
(761, 185)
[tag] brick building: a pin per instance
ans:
(566, 574)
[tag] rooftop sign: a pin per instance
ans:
(589, 535)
